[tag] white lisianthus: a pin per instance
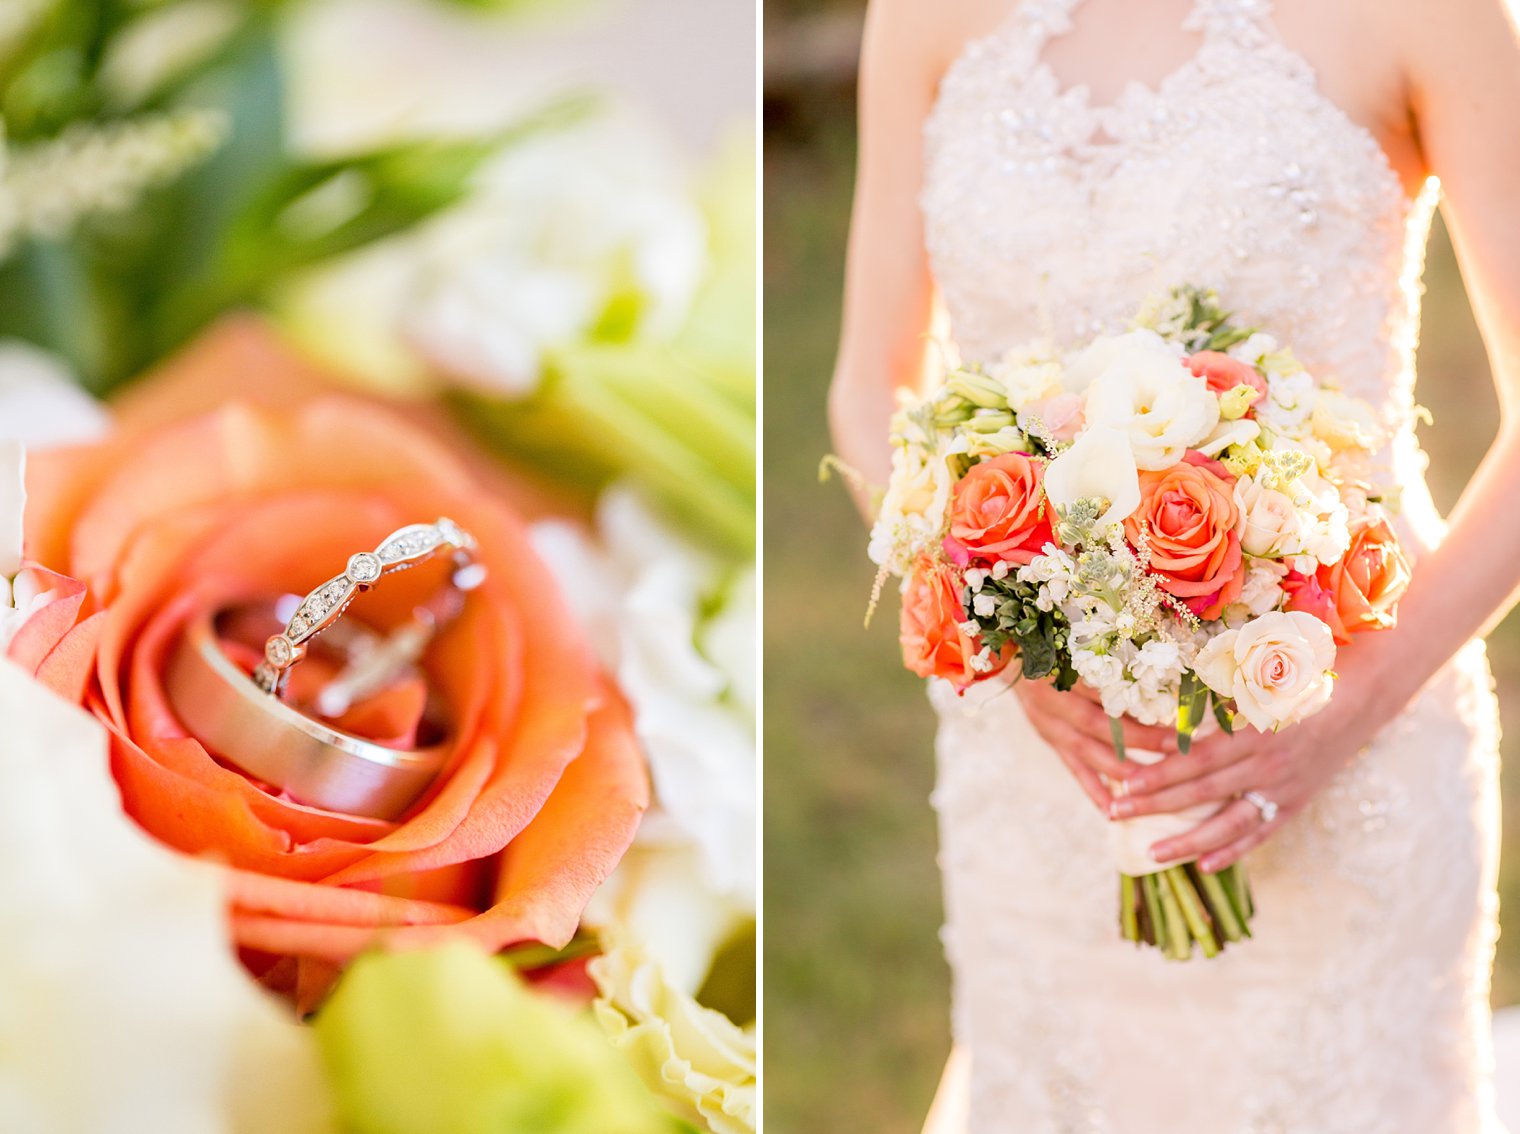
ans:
(1136, 382)
(1099, 465)
(122, 1004)
(1270, 524)
(40, 403)
(1277, 668)
(1344, 422)
(913, 509)
(1239, 431)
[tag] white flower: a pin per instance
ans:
(1288, 404)
(984, 605)
(1100, 464)
(1240, 431)
(1159, 662)
(1028, 381)
(1269, 521)
(1344, 422)
(122, 1005)
(913, 509)
(1138, 384)
(1277, 667)
(1325, 519)
(40, 403)
(12, 505)
(1099, 670)
(646, 595)
(1262, 590)
(694, 1057)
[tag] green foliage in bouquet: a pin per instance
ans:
(135, 210)
(1017, 620)
(452, 1040)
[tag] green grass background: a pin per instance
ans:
(856, 987)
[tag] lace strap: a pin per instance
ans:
(1242, 21)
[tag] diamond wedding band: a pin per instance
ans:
(404, 548)
(1267, 808)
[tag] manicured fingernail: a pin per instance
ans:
(1136, 785)
(1121, 809)
(1157, 856)
(1208, 865)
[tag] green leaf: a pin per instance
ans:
(1224, 715)
(1192, 702)
(1116, 730)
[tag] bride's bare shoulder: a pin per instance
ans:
(928, 36)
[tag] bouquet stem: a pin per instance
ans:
(1181, 905)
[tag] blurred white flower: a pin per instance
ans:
(40, 403)
(678, 634)
(693, 1056)
(122, 1007)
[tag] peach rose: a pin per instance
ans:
(933, 643)
(1223, 373)
(996, 510)
(1365, 584)
(1190, 516)
(544, 788)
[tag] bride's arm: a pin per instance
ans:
(888, 297)
(1464, 81)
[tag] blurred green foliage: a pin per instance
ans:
(856, 988)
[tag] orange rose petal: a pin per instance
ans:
(41, 632)
(67, 668)
(550, 871)
(253, 893)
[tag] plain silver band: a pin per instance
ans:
(1267, 808)
(314, 763)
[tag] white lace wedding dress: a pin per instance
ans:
(1362, 1005)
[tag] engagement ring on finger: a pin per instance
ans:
(1267, 808)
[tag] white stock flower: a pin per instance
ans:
(1137, 383)
(1288, 404)
(1099, 465)
(1325, 531)
(1277, 667)
(1158, 663)
(122, 1005)
(1262, 590)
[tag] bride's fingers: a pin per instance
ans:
(1203, 759)
(1215, 861)
(1210, 787)
(1234, 824)
(1066, 741)
(1089, 719)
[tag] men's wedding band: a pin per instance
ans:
(404, 548)
(1267, 808)
(277, 745)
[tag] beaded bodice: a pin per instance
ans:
(1046, 214)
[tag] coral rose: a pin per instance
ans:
(544, 786)
(997, 512)
(933, 643)
(1190, 519)
(1223, 373)
(1365, 585)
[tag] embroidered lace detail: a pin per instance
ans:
(1362, 1003)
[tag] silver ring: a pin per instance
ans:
(279, 746)
(1267, 808)
(403, 548)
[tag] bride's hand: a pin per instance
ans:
(1287, 768)
(1075, 725)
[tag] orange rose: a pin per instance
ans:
(544, 787)
(1224, 373)
(1190, 516)
(933, 643)
(997, 510)
(1366, 584)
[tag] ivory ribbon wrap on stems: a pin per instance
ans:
(1131, 839)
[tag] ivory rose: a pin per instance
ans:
(934, 644)
(1190, 521)
(1365, 586)
(160, 522)
(1269, 523)
(1141, 386)
(1276, 667)
(997, 510)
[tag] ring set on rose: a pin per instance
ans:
(248, 721)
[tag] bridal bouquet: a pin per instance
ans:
(1180, 516)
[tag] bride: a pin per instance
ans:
(1043, 171)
